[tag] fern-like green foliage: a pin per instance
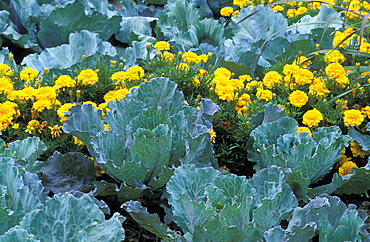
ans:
(152, 131)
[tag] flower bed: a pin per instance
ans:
(217, 117)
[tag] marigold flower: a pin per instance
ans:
(5, 70)
(6, 85)
(162, 45)
(242, 3)
(40, 105)
(302, 62)
(77, 141)
(265, 94)
(55, 131)
(226, 11)
(222, 72)
(115, 94)
(352, 117)
(28, 74)
(271, 78)
(183, 67)
(64, 108)
(346, 168)
(365, 47)
(135, 73)
(8, 110)
(119, 77)
(64, 81)
(33, 126)
(88, 77)
(312, 117)
(212, 136)
(278, 8)
(318, 87)
(304, 129)
(334, 70)
(298, 98)
(334, 56)
(366, 111)
(167, 56)
(357, 150)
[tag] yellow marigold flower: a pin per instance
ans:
(15, 126)
(183, 67)
(301, 10)
(167, 56)
(340, 38)
(226, 11)
(318, 87)
(341, 104)
(190, 56)
(265, 94)
(343, 158)
(55, 131)
(77, 141)
(33, 126)
(312, 117)
(115, 94)
(302, 61)
(271, 78)
(250, 85)
(334, 57)
(289, 70)
(6, 85)
(5, 70)
(245, 78)
(88, 77)
(45, 93)
(28, 74)
(278, 8)
(64, 108)
(224, 168)
(366, 111)
(98, 172)
(334, 70)
(303, 76)
(22, 95)
(298, 98)
(352, 117)
(40, 105)
(343, 80)
(222, 72)
(135, 73)
(162, 45)
(365, 47)
(120, 78)
(106, 127)
(241, 3)
(304, 129)
(314, 5)
(346, 168)
(357, 150)
(291, 13)
(236, 13)
(212, 136)
(8, 110)
(92, 103)
(64, 81)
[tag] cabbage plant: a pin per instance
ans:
(210, 206)
(152, 131)
(275, 142)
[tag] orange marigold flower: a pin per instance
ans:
(312, 117)
(352, 117)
